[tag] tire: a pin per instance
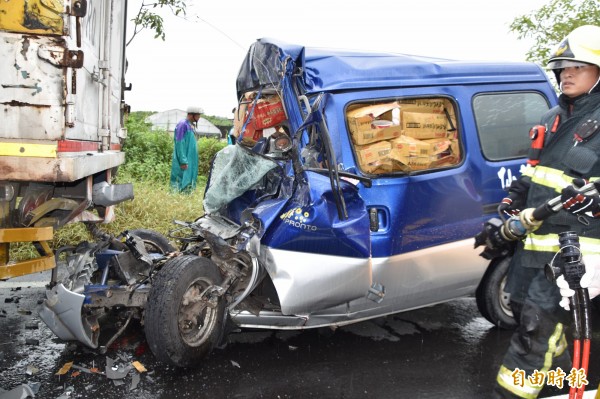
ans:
(492, 301)
(154, 241)
(179, 333)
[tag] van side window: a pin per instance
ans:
(404, 135)
(504, 120)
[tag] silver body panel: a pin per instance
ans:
(413, 280)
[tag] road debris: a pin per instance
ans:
(116, 371)
(135, 380)
(65, 368)
(21, 392)
(67, 394)
(139, 367)
(31, 326)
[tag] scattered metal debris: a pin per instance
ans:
(135, 380)
(67, 393)
(20, 392)
(116, 371)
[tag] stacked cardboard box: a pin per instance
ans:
(424, 136)
(374, 123)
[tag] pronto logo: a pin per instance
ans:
(297, 218)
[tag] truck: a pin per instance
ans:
(61, 121)
(355, 190)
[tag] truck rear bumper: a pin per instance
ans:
(65, 168)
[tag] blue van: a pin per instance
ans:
(355, 189)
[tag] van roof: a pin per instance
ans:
(333, 69)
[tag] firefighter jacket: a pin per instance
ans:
(571, 150)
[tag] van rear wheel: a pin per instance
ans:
(492, 301)
(184, 316)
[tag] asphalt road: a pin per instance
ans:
(445, 351)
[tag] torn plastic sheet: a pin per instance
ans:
(235, 170)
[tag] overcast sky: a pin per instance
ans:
(198, 62)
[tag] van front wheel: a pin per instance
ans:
(184, 315)
(492, 301)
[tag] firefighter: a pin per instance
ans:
(571, 150)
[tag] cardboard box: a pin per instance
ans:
(409, 146)
(266, 113)
(435, 146)
(424, 105)
(424, 162)
(422, 125)
(371, 153)
(381, 166)
(374, 123)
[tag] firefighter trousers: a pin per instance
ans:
(538, 346)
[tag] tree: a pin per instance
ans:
(552, 22)
(147, 17)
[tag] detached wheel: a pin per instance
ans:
(184, 322)
(492, 301)
(154, 241)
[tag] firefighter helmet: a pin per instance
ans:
(580, 47)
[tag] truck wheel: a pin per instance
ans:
(181, 327)
(154, 241)
(492, 301)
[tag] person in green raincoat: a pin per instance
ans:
(184, 169)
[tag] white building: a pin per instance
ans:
(167, 120)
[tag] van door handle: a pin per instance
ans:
(373, 219)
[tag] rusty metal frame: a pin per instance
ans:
(40, 235)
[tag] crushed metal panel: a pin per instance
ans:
(61, 312)
(308, 282)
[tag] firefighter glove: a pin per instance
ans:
(578, 203)
(514, 202)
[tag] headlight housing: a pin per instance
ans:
(280, 145)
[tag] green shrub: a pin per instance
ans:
(207, 148)
(149, 154)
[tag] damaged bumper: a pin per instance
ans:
(62, 313)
